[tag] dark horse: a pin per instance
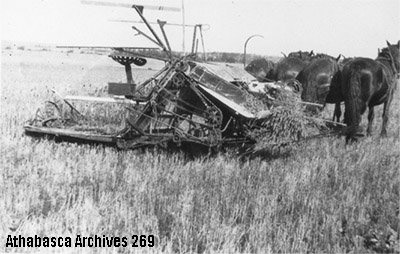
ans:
(301, 54)
(261, 69)
(289, 66)
(320, 81)
(367, 82)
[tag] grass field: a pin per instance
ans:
(324, 197)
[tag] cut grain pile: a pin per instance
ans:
(282, 121)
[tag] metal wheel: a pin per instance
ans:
(214, 116)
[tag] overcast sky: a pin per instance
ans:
(350, 27)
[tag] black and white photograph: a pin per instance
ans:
(183, 126)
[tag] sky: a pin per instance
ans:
(349, 27)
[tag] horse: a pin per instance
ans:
(289, 66)
(261, 69)
(301, 54)
(367, 82)
(320, 81)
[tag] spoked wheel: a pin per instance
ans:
(214, 116)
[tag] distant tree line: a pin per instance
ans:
(227, 57)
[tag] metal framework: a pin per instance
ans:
(185, 103)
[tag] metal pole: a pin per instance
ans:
(202, 43)
(128, 71)
(245, 45)
(162, 24)
(126, 5)
(141, 22)
(150, 28)
(183, 27)
(194, 38)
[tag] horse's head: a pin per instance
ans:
(394, 52)
(391, 53)
(288, 68)
(344, 60)
(260, 68)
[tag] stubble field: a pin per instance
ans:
(324, 197)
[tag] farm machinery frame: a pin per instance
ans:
(185, 104)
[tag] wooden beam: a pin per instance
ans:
(126, 5)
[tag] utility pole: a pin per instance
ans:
(183, 27)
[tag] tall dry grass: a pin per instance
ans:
(324, 197)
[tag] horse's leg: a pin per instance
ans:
(371, 115)
(385, 115)
(385, 118)
(334, 114)
(337, 112)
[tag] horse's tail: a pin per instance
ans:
(354, 104)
